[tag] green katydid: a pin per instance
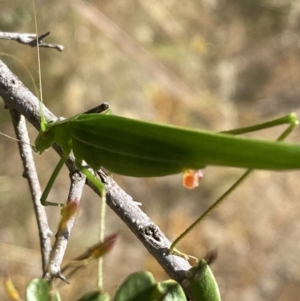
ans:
(142, 149)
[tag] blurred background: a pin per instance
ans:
(210, 64)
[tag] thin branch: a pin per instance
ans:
(30, 39)
(15, 95)
(31, 175)
(66, 225)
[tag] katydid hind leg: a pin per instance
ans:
(101, 188)
(290, 119)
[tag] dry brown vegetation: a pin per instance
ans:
(212, 64)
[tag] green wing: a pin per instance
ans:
(136, 148)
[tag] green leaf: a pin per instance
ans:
(139, 286)
(40, 290)
(95, 296)
(170, 290)
(202, 283)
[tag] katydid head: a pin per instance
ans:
(44, 140)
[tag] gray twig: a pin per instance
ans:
(66, 225)
(31, 175)
(30, 39)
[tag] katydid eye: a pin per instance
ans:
(46, 134)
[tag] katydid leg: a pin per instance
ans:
(51, 181)
(290, 119)
(101, 188)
